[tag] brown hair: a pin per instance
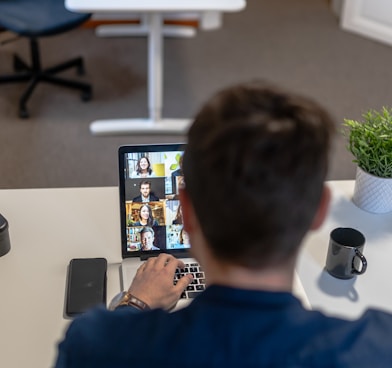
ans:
(138, 168)
(258, 156)
(150, 220)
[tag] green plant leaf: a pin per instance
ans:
(370, 141)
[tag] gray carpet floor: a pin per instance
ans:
(297, 44)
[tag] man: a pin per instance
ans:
(147, 237)
(145, 193)
(255, 165)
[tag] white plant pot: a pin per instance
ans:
(371, 193)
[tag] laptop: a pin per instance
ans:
(150, 212)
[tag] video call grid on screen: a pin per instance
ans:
(153, 223)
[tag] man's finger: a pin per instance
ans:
(167, 260)
(183, 282)
(141, 268)
(180, 264)
(164, 259)
(153, 262)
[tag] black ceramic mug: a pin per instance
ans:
(345, 257)
(5, 244)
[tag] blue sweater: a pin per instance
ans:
(226, 327)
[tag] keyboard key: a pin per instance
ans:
(198, 283)
(193, 294)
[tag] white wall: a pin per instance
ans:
(369, 18)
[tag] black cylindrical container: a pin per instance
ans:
(5, 244)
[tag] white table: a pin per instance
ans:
(153, 10)
(348, 298)
(48, 227)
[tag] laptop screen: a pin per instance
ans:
(151, 218)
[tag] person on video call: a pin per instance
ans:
(179, 171)
(178, 219)
(147, 237)
(183, 237)
(266, 150)
(145, 193)
(143, 169)
(145, 217)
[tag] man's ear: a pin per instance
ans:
(188, 215)
(322, 210)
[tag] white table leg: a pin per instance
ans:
(155, 66)
(154, 124)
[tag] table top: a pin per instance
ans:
(49, 227)
(155, 5)
(348, 298)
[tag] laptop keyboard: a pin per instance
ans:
(198, 283)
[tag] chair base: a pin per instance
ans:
(35, 74)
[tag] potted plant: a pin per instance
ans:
(370, 141)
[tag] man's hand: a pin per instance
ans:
(153, 283)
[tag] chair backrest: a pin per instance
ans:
(38, 18)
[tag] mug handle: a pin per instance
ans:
(363, 260)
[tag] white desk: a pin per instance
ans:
(153, 10)
(48, 227)
(348, 298)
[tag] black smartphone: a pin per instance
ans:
(86, 284)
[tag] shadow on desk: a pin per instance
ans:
(338, 288)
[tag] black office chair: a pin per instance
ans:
(34, 19)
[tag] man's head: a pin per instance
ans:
(145, 188)
(258, 157)
(147, 237)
